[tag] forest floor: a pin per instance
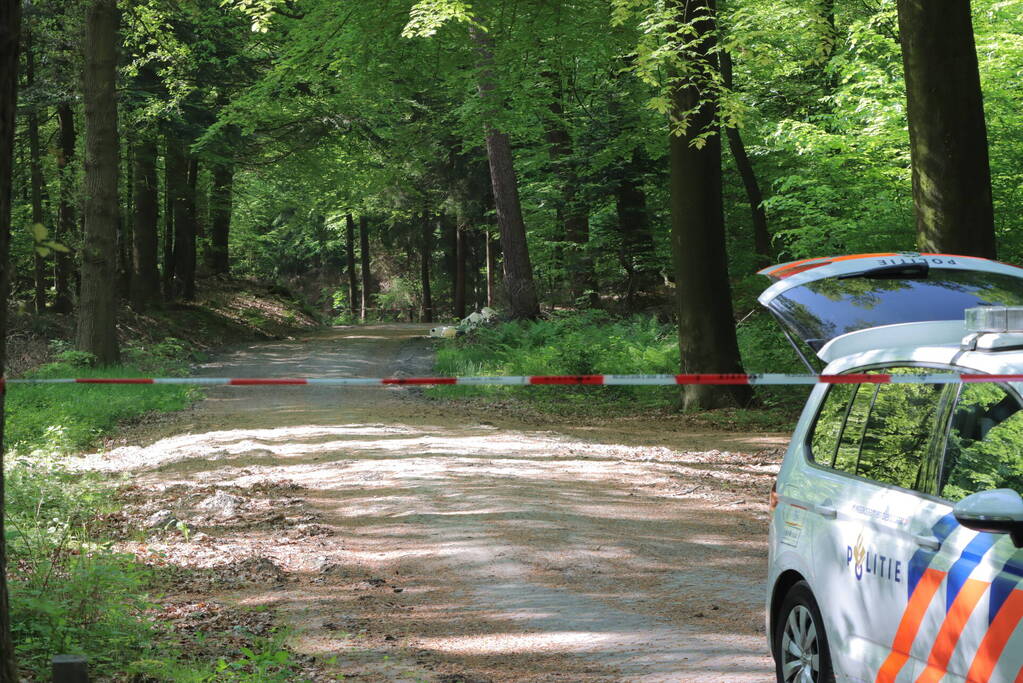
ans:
(397, 538)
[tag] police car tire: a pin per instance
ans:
(800, 595)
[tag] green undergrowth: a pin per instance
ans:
(585, 343)
(71, 591)
(66, 418)
(593, 342)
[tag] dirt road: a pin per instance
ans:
(411, 544)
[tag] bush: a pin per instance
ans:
(584, 343)
(70, 593)
(592, 342)
(66, 418)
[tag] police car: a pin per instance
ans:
(896, 535)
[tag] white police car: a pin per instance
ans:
(897, 525)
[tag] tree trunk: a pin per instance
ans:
(425, 252)
(10, 39)
(947, 133)
(367, 280)
(707, 338)
(173, 171)
(38, 218)
(572, 213)
(145, 278)
(125, 219)
(519, 287)
(220, 200)
(761, 235)
(65, 228)
(180, 177)
(97, 314)
(637, 242)
(490, 268)
(36, 174)
(353, 277)
(460, 257)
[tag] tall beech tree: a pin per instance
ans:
(425, 263)
(36, 172)
(220, 224)
(66, 227)
(947, 131)
(706, 321)
(145, 278)
(761, 235)
(10, 39)
(97, 314)
(519, 287)
(353, 276)
(367, 277)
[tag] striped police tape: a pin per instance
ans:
(769, 379)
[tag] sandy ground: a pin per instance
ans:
(401, 541)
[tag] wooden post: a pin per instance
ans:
(70, 669)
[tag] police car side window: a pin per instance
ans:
(898, 433)
(827, 431)
(985, 443)
(878, 431)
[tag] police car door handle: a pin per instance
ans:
(826, 511)
(928, 542)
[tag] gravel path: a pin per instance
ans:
(411, 544)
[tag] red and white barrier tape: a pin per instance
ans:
(776, 379)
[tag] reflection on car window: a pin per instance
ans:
(882, 432)
(898, 433)
(985, 444)
(828, 428)
(848, 453)
(821, 310)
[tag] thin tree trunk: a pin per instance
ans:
(173, 172)
(97, 315)
(145, 278)
(38, 218)
(10, 38)
(572, 213)
(65, 210)
(36, 173)
(184, 222)
(460, 258)
(637, 242)
(707, 340)
(367, 279)
(221, 203)
(761, 235)
(947, 133)
(353, 277)
(519, 287)
(490, 268)
(425, 252)
(125, 220)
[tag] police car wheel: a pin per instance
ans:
(801, 652)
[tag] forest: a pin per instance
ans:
(612, 160)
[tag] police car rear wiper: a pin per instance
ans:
(904, 271)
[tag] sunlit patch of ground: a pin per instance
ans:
(415, 546)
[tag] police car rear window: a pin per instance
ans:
(819, 311)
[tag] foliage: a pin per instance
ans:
(71, 593)
(64, 419)
(583, 343)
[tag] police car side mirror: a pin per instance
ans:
(999, 511)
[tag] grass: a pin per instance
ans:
(570, 344)
(592, 342)
(67, 418)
